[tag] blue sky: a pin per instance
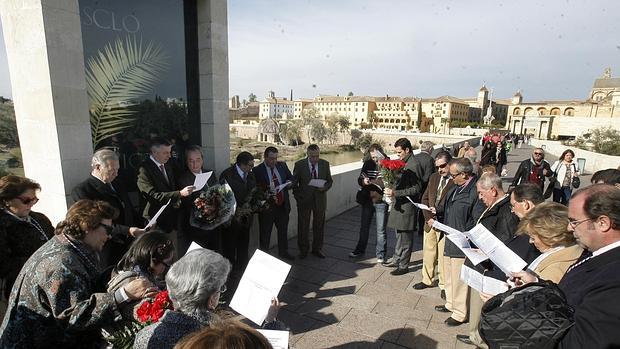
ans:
(549, 49)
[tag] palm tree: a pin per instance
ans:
(118, 75)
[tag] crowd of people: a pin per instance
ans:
(96, 269)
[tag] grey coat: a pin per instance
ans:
(427, 167)
(403, 214)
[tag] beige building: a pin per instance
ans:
(569, 118)
(243, 114)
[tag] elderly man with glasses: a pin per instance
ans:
(533, 170)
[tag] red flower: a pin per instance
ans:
(144, 312)
(151, 311)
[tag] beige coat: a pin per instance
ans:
(555, 265)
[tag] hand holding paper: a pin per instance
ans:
(201, 180)
(420, 206)
(280, 187)
(318, 183)
(154, 219)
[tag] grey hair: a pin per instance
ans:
(194, 278)
(101, 157)
(427, 146)
(490, 180)
(463, 165)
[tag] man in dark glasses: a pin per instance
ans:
(533, 170)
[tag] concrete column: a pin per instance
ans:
(213, 67)
(46, 63)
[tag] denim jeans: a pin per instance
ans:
(562, 195)
(380, 211)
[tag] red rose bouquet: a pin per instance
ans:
(389, 170)
(150, 311)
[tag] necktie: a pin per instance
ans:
(276, 183)
(314, 176)
(442, 185)
(163, 171)
(586, 255)
(112, 187)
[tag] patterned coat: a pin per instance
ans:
(53, 303)
(18, 241)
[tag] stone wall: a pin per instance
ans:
(594, 161)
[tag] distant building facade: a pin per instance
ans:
(569, 118)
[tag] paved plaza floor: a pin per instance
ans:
(340, 302)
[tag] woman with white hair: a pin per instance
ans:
(195, 283)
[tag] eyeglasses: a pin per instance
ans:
(28, 201)
(223, 288)
(539, 153)
(575, 223)
(455, 175)
(441, 166)
(108, 228)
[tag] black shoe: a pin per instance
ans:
(355, 254)
(390, 264)
(443, 294)
(286, 255)
(453, 323)
(421, 286)
(442, 309)
(464, 338)
(399, 271)
(303, 255)
(318, 254)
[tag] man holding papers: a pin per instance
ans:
(207, 239)
(459, 212)
(273, 174)
(438, 185)
(403, 217)
(311, 180)
(157, 185)
(501, 222)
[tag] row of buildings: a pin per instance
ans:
(544, 119)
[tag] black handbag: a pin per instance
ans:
(533, 316)
(576, 182)
(362, 196)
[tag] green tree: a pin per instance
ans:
(606, 140)
(252, 97)
(355, 135)
(310, 117)
(8, 126)
(319, 132)
(350, 94)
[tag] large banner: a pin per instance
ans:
(135, 61)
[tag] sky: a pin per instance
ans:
(548, 49)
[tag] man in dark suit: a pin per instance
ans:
(102, 185)
(426, 163)
(403, 217)
(157, 185)
(311, 200)
(272, 173)
(592, 285)
(236, 237)
(206, 238)
(439, 184)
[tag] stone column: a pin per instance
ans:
(46, 63)
(213, 67)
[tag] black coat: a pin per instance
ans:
(262, 179)
(184, 179)
(155, 191)
(523, 173)
(427, 168)
(18, 241)
(593, 290)
(461, 211)
(369, 169)
(94, 189)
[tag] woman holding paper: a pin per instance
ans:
(547, 226)
(195, 283)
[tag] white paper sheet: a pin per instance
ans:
(445, 228)
(154, 219)
(499, 254)
(262, 280)
(193, 246)
(277, 339)
(482, 283)
(460, 240)
(282, 186)
(201, 180)
(420, 206)
(319, 183)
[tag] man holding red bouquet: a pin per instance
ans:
(404, 214)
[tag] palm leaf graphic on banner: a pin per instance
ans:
(117, 76)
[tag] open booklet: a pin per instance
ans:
(482, 283)
(488, 244)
